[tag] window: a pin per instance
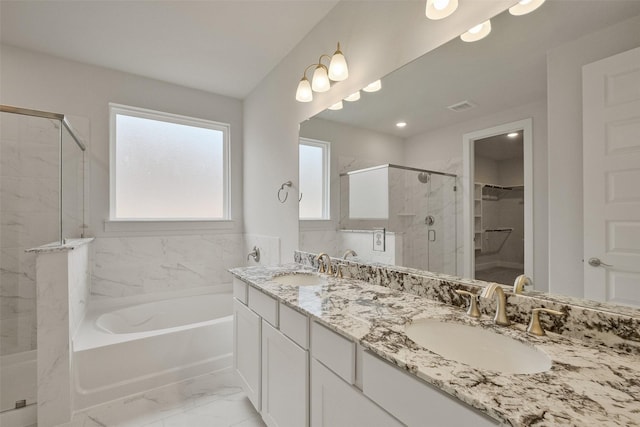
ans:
(167, 167)
(314, 179)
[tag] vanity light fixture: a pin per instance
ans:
(525, 6)
(320, 80)
(401, 124)
(322, 76)
(478, 32)
(353, 97)
(373, 87)
(336, 106)
(440, 9)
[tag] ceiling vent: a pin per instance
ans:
(462, 106)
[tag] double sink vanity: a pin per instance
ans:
(391, 347)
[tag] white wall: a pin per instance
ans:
(564, 85)
(377, 38)
(37, 81)
(441, 149)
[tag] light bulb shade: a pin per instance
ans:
(525, 6)
(303, 93)
(320, 81)
(478, 32)
(440, 9)
(373, 87)
(353, 97)
(338, 70)
(336, 106)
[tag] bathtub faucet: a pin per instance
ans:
(255, 253)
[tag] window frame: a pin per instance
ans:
(225, 128)
(326, 172)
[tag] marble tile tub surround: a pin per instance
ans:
(604, 324)
(135, 265)
(588, 384)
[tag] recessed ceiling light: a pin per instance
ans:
(401, 124)
(513, 134)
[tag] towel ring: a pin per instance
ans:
(286, 194)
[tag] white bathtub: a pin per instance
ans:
(18, 374)
(126, 349)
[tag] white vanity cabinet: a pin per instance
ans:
(414, 402)
(247, 340)
(273, 368)
(285, 380)
(334, 403)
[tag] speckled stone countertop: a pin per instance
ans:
(588, 385)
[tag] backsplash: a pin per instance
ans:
(610, 325)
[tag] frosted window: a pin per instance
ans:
(314, 179)
(369, 194)
(165, 169)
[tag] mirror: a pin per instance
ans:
(462, 89)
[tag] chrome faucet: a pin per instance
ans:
(501, 310)
(349, 252)
(520, 283)
(321, 266)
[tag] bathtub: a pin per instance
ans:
(18, 374)
(124, 348)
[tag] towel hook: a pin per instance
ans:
(286, 194)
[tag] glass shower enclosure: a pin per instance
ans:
(411, 213)
(42, 191)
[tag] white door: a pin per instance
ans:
(611, 138)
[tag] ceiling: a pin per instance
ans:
(221, 46)
(503, 71)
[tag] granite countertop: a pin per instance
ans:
(588, 384)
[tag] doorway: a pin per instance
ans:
(499, 207)
(497, 202)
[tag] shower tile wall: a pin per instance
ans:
(125, 266)
(29, 217)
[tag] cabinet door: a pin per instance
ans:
(285, 380)
(246, 350)
(334, 403)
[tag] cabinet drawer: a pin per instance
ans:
(264, 305)
(240, 290)
(334, 351)
(414, 402)
(295, 325)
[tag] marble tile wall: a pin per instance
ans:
(269, 249)
(614, 326)
(133, 265)
(29, 217)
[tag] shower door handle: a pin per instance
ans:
(432, 235)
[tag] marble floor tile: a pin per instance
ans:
(207, 401)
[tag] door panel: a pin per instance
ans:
(611, 178)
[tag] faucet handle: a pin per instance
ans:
(473, 310)
(534, 327)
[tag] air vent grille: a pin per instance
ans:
(462, 106)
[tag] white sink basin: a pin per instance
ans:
(300, 279)
(477, 347)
